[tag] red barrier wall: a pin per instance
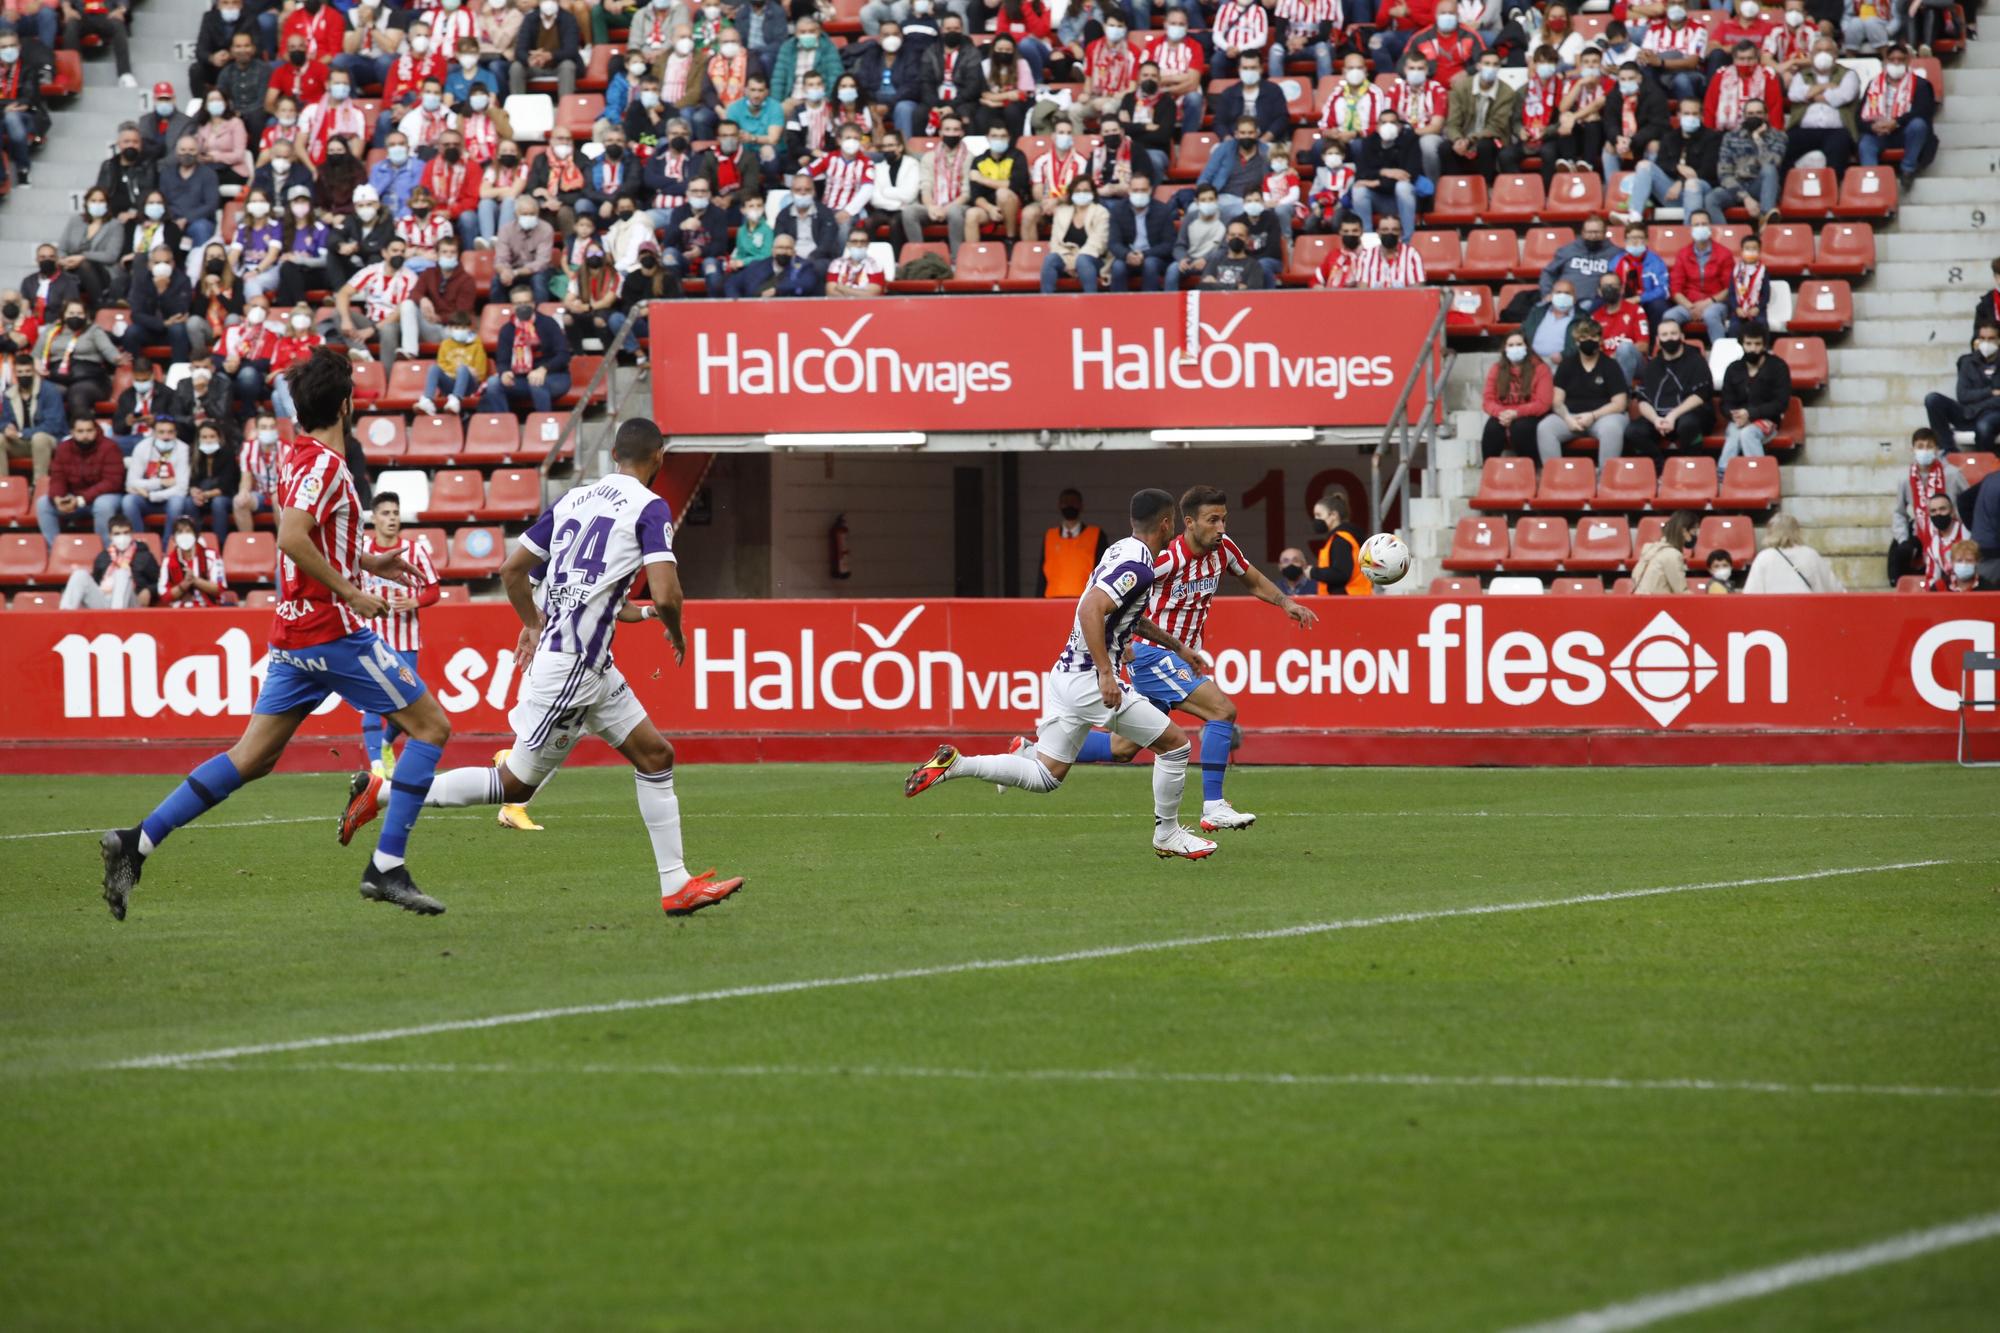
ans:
(1387, 680)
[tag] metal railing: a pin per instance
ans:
(1412, 442)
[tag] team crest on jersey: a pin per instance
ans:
(1125, 582)
(408, 679)
(309, 488)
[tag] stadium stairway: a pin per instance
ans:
(163, 34)
(1912, 321)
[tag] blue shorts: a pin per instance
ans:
(363, 670)
(1161, 678)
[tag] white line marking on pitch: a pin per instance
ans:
(561, 816)
(979, 965)
(1779, 1277)
(1527, 1081)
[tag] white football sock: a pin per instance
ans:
(384, 861)
(1022, 770)
(1169, 778)
(465, 786)
(661, 811)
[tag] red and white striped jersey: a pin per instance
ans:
(1355, 113)
(264, 465)
(383, 289)
(1338, 270)
(1241, 25)
(1789, 43)
(316, 480)
(844, 177)
(1690, 39)
(203, 563)
(1307, 13)
(1375, 267)
(1420, 106)
(1054, 171)
(398, 629)
(1113, 70)
(1184, 583)
(1180, 57)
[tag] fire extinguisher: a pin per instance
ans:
(837, 552)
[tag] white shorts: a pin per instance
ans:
(1075, 706)
(562, 700)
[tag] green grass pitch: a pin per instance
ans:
(1337, 1129)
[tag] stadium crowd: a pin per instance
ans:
(384, 177)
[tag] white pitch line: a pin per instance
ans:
(1365, 1080)
(978, 965)
(561, 816)
(1648, 1310)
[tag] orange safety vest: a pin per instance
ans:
(1067, 561)
(1357, 583)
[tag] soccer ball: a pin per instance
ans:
(1384, 558)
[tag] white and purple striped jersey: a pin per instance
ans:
(593, 540)
(1126, 575)
(1184, 585)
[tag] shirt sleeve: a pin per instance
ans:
(656, 534)
(1126, 580)
(419, 555)
(540, 533)
(1232, 557)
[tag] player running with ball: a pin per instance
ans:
(1083, 690)
(593, 540)
(1185, 579)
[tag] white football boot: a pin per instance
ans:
(1177, 840)
(1216, 815)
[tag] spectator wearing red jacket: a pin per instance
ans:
(298, 75)
(1750, 22)
(86, 476)
(191, 575)
(1396, 23)
(1744, 81)
(323, 27)
(1450, 48)
(454, 184)
(1700, 279)
(1520, 391)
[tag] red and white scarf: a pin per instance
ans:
(1749, 281)
(525, 345)
(948, 170)
(674, 78)
(727, 76)
(1926, 482)
(1937, 543)
(1889, 101)
(1242, 25)
(1733, 89)
(482, 138)
(1539, 103)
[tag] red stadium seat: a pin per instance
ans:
(1471, 312)
(540, 434)
(1190, 154)
(406, 384)
(1807, 359)
(1505, 483)
(1666, 240)
(1308, 253)
(14, 498)
(453, 592)
(1845, 248)
(72, 551)
(582, 370)
(456, 495)
(1574, 196)
(260, 598)
(1907, 583)
(1567, 483)
(1868, 192)
(65, 76)
(596, 76)
(1621, 587)
(1539, 247)
(1822, 305)
(1975, 466)
(578, 114)
(1460, 201)
(492, 437)
(1627, 483)
(1024, 269)
(23, 557)
(492, 317)
(1725, 532)
(1749, 483)
(36, 601)
(513, 494)
(1439, 251)
(436, 540)
(1787, 248)
(435, 441)
(1539, 543)
(1505, 299)
(1809, 193)
(1577, 587)
(979, 266)
(918, 286)
(1477, 543)
(1730, 236)
(1491, 255)
(1687, 483)
(1513, 200)
(1448, 587)
(369, 383)
(250, 557)
(383, 439)
(1792, 430)
(1602, 541)
(477, 553)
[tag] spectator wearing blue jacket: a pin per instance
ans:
(161, 301)
(1237, 168)
(192, 191)
(1142, 237)
(782, 274)
(531, 365)
(548, 43)
(32, 417)
(1645, 275)
(397, 175)
(1257, 97)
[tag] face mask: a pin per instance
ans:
(1895, 71)
(683, 46)
(1677, 13)
(781, 261)
(1923, 457)
(163, 271)
(217, 108)
(420, 45)
(207, 447)
(1320, 527)
(1753, 123)
(1964, 572)
(1447, 23)
(254, 315)
(951, 140)
(267, 435)
(230, 15)
(857, 252)
(892, 44)
(399, 153)
(365, 212)
(730, 50)
(1070, 513)
(808, 40)
(1333, 161)
(1114, 33)
(1149, 86)
(1176, 32)
(121, 541)
(953, 40)
(548, 9)
(996, 147)
(1292, 573)
(563, 150)
(47, 267)
(432, 101)
(1417, 78)
(1590, 73)
(447, 262)
(461, 335)
(1349, 241)
(1588, 346)
(301, 323)
(281, 166)
(1253, 208)
(1700, 234)
(1353, 77)
(419, 207)
(847, 96)
(1690, 124)
(1238, 246)
(752, 216)
(338, 91)
(1489, 74)
(509, 160)
(302, 209)
(923, 6)
(257, 208)
(1823, 61)
(185, 540)
(1794, 18)
(613, 152)
(1517, 354)
(1209, 208)
(1390, 132)
(815, 94)
(1563, 301)
(1545, 71)
(164, 108)
(1670, 347)
(1749, 10)
(154, 212)
(711, 12)
(394, 262)
(95, 208)
(697, 203)
(1629, 87)
(726, 147)
(1390, 240)
(524, 312)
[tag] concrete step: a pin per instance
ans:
(1823, 479)
(1966, 133)
(1837, 421)
(1860, 391)
(1860, 573)
(1963, 162)
(1873, 303)
(1882, 449)
(1910, 275)
(1823, 511)
(1968, 246)
(1936, 214)
(1862, 541)
(1875, 330)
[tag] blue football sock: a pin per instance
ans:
(371, 736)
(208, 785)
(406, 795)
(1215, 738)
(1096, 748)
